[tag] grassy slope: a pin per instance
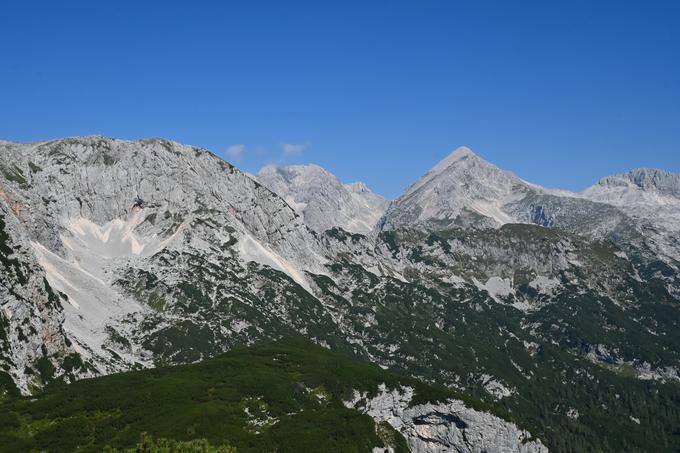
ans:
(300, 384)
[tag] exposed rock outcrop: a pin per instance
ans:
(444, 427)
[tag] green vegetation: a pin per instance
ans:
(391, 437)
(390, 240)
(14, 174)
(7, 387)
(148, 444)
(342, 235)
(8, 259)
(284, 396)
(34, 168)
(220, 307)
(456, 335)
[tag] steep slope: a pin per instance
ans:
(652, 198)
(322, 200)
(32, 340)
(99, 214)
(461, 188)
(289, 396)
(642, 186)
(596, 270)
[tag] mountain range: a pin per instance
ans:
(558, 310)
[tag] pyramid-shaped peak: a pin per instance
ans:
(459, 154)
(357, 187)
(462, 151)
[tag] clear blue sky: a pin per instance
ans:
(560, 92)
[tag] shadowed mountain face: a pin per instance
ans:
(561, 308)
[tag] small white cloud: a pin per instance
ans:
(293, 149)
(236, 151)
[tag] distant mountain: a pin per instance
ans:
(639, 211)
(322, 200)
(563, 308)
(652, 198)
(640, 186)
(460, 188)
(647, 194)
(465, 190)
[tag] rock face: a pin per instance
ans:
(463, 190)
(445, 427)
(97, 214)
(651, 198)
(103, 180)
(462, 187)
(645, 194)
(640, 186)
(32, 340)
(322, 200)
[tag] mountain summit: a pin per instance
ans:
(461, 188)
(322, 200)
(642, 185)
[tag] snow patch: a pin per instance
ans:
(114, 239)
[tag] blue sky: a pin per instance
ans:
(560, 92)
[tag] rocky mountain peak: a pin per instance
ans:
(460, 153)
(646, 179)
(322, 199)
(640, 187)
(117, 255)
(357, 187)
(461, 184)
(460, 158)
(291, 172)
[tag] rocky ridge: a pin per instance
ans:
(93, 210)
(322, 200)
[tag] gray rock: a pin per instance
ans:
(322, 200)
(445, 427)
